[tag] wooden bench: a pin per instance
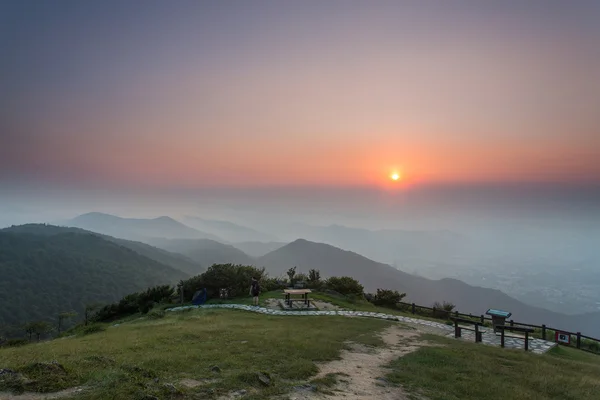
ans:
(522, 329)
(458, 329)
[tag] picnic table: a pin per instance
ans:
(303, 292)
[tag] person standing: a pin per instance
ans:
(255, 291)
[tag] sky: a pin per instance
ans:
(196, 94)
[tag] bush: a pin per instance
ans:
(345, 285)
(94, 328)
(15, 342)
(235, 278)
(133, 303)
(442, 310)
(156, 314)
(269, 284)
(388, 298)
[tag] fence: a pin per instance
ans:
(582, 342)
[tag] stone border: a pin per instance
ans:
(537, 346)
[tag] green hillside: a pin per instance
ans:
(43, 275)
(175, 260)
(210, 353)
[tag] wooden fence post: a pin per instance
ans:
(512, 323)
(502, 338)
(433, 310)
(413, 308)
(482, 319)
(543, 332)
(578, 340)
(526, 340)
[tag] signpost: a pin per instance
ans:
(498, 317)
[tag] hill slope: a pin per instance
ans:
(43, 275)
(204, 251)
(258, 249)
(332, 261)
(136, 228)
(228, 230)
(175, 260)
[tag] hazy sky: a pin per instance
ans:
(250, 93)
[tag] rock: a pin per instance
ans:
(264, 379)
(171, 388)
(305, 388)
(239, 393)
(7, 371)
(216, 369)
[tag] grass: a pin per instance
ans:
(138, 358)
(458, 370)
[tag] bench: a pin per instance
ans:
(522, 329)
(458, 329)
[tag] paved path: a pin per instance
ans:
(538, 346)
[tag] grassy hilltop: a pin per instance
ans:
(208, 353)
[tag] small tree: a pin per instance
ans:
(40, 328)
(291, 273)
(65, 316)
(443, 310)
(345, 285)
(89, 310)
(314, 276)
(388, 298)
(29, 329)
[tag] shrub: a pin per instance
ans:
(235, 278)
(93, 328)
(134, 303)
(388, 298)
(345, 285)
(156, 314)
(269, 284)
(442, 310)
(15, 342)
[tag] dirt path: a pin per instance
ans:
(361, 368)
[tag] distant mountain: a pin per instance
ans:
(136, 228)
(228, 230)
(332, 261)
(204, 251)
(258, 249)
(62, 270)
(387, 245)
(175, 260)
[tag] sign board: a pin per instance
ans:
(563, 338)
(498, 313)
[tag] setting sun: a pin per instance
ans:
(395, 176)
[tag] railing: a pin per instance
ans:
(582, 342)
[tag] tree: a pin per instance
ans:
(345, 285)
(314, 276)
(40, 328)
(89, 310)
(443, 310)
(64, 316)
(388, 298)
(291, 273)
(29, 329)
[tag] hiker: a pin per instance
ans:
(255, 291)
